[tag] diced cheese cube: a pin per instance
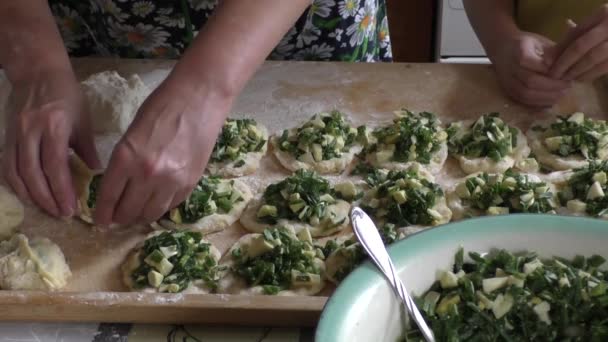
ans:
(490, 285)
(595, 191)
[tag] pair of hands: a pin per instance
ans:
(537, 72)
(152, 168)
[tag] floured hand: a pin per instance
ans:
(522, 64)
(47, 116)
(163, 154)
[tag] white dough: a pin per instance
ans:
(38, 264)
(81, 178)
(334, 165)
(113, 100)
(252, 161)
(436, 164)
(216, 222)
(11, 212)
(485, 164)
(133, 261)
(232, 284)
(460, 210)
(550, 160)
(250, 222)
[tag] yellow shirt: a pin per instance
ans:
(548, 17)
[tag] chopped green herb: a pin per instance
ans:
(411, 137)
(516, 297)
(238, 137)
(303, 197)
(275, 260)
(211, 195)
(325, 136)
(170, 262)
(489, 136)
(510, 192)
(402, 198)
(586, 190)
(353, 252)
(93, 187)
(578, 135)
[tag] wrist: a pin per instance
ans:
(211, 84)
(499, 39)
(205, 96)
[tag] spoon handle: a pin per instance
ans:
(370, 239)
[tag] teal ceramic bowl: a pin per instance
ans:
(363, 308)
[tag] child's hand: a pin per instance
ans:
(583, 55)
(522, 65)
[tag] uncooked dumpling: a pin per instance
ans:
(86, 183)
(11, 212)
(113, 100)
(36, 264)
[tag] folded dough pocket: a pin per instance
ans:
(86, 183)
(36, 264)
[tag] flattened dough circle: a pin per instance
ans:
(133, 261)
(232, 284)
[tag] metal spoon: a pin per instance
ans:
(370, 239)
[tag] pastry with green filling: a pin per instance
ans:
(326, 143)
(487, 145)
(239, 148)
(569, 142)
(501, 194)
(304, 200)
(276, 261)
(409, 199)
(585, 191)
(86, 184)
(411, 138)
(344, 253)
(213, 205)
(173, 262)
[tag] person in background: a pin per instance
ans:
(164, 152)
(539, 47)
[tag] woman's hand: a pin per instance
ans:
(584, 52)
(162, 156)
(48, 115)
(522, 64)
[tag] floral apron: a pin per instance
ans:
(339, 30)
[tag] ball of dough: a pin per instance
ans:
(113, 100)
(36, 264)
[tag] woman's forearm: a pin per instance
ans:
(236, 40)
(492, 21)
(29, 39)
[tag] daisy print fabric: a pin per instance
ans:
(339, 30)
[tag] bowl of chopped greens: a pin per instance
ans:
(521, 277)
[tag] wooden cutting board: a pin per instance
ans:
(280, 95)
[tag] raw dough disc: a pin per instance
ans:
(231, 283)
(11, 212)
(134, 258)
(214, 222)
